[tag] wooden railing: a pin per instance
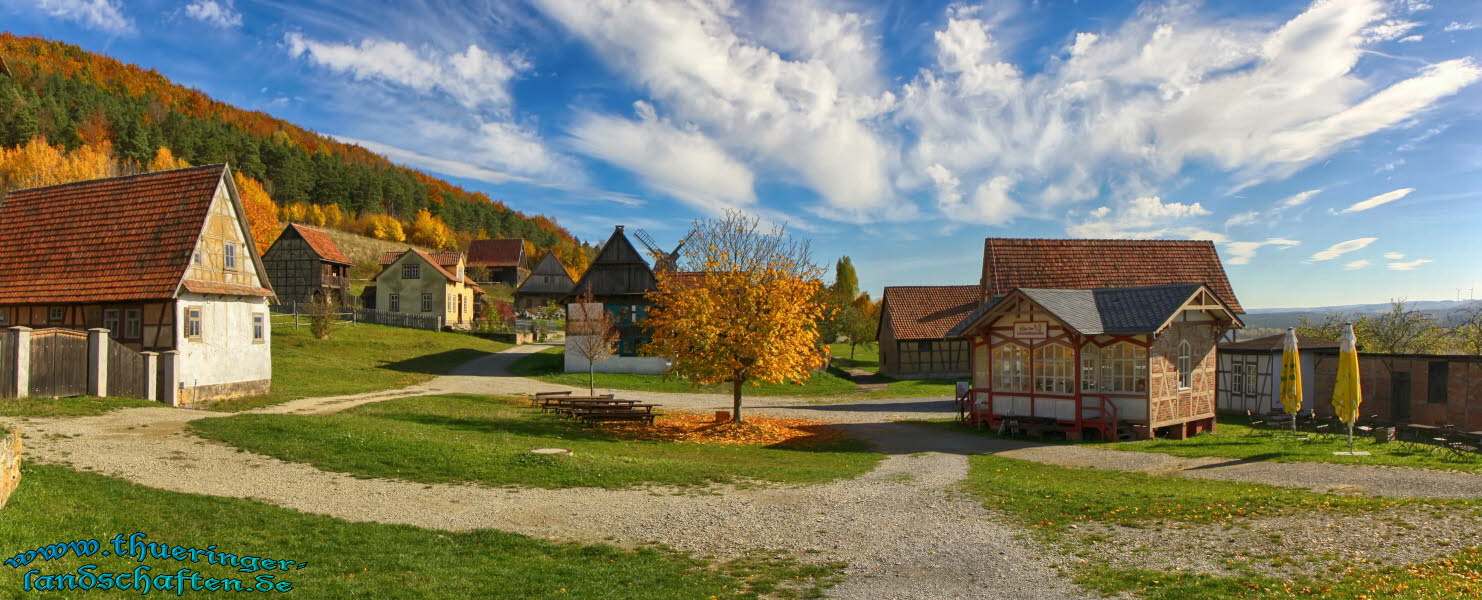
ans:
(967, 403)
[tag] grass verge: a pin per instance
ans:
(80, 406)
(363, 358)
(358, 560)
(1234, 438)
(460, 438)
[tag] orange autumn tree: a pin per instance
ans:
(261, 213)
(741, 307)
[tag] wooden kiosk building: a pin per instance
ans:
(304, 264)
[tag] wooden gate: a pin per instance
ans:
(126, 375)
(59, 363)
(7, 364)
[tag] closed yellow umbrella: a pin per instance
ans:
(1291, 377)
(1347, 395)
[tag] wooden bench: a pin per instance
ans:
(554, 401)
(536, 399)
(645, 416)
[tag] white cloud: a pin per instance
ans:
(1458, 26)
(1411, 39)
(1394, 255)
(473, 77)
(220, 14)
(1245, 218)
(1144, 218)
(1388, 29)
(1356, 265)
(809, 115)
(1240, 253)
(1408, 266)
(990, 203)
(1341, 248)
(1374, 201)
(682, 163)
(104, 15)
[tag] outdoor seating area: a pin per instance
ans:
(1453, 442)
(603, 408)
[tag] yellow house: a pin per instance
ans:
(416, 284)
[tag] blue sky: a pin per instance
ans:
(1331, 149)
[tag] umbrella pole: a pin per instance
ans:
(1350, 438)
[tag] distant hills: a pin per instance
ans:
(1281, 318)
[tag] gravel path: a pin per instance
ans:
(902, 533)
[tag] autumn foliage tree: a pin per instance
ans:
(261, 214)
(590, 334)
(741, 307)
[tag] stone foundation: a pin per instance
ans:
(10, 464)
(221, 391)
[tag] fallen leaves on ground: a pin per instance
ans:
(759, 431)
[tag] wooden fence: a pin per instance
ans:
(126, 371)
(59, 363)
(7, 365)
(395, 319)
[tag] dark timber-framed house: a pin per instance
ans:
(549, 282)
(619, 279)
(912, 334)
(304, 264)
(498, 261)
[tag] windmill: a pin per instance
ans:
(662, 260)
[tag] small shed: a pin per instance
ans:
(1249, 373)
(912, 334)
(1425, 389)
(304, 264)
(549, 282)
(498, 261)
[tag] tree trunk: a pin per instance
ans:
(851, 350)
(591, 379)
(736, 401)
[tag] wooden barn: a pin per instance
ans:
(1250, 373)
(912, 334)
(618, 278)
(1114, 362)
(164, 261)
(549, 282)
(304, 264)
(498, 261)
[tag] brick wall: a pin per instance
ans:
(1167, 403)
(1377, 376)
(10, 464)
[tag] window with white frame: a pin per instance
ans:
(1011, 368)
(1054, 369)
(411, 270)
(426, 302)
(133, 323)
(1089, 380)
(56, 314)
(1250, 378)
(111, 321)
(1185, 365)
(1124, 368)
(230, 255)
(393, 302)
(257, 328)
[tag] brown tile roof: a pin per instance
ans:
(1276, 342)
(322, 244)
(442, 259)
(226, 289)
(432, 260)
(496, 253)
(926, 312)
(1010, 263)
(117, 239)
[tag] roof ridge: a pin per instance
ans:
(114, 178)
(1117, 288)
(1115, 240)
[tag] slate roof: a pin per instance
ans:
(1276, 342)
(496, 253)
(1010, 263)
(927, 312)
(105, 240)
(321, 244)
(1114, 310)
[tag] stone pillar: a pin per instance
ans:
(169, 377)
(151, 375)
(97, 362)
(21, 338)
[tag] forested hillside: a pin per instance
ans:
(94, 116)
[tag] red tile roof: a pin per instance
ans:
(496, 253)
(1010, 263)
(442, 259)
(105, 240)
(926, 312)
(432, 260)
(322, 244)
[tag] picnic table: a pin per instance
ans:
(632, 412)
(551, 402)
(566, 406)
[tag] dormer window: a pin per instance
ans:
(231, 255)
(411, 271)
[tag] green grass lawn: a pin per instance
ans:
(353, 560)
(1233, 438)
(547, 365)
(459, 438)
(79, 406)
(362, 358)
(865, 357)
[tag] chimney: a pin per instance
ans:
(619, 228)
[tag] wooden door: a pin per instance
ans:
(1399, 397)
